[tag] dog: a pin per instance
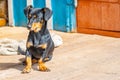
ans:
(39, 46)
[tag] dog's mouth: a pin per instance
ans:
(36, 27)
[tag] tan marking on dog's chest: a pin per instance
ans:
(43, 46)
(36, 27)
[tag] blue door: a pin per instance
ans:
(39, 3)
(18, 14)
(63, 15)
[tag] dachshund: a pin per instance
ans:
(39, 46)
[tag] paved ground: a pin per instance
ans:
(81, 57)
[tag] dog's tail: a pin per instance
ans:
(21, 51)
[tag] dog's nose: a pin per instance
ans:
(28, 26)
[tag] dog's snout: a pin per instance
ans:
(28, 26)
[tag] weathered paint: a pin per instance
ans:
(63, 18)
(59, 15)
(63, 15)
(99, 17)
(18, 14)
(71, 17)
(38, 3)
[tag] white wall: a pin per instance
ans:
(10, 13)
(49, 24)
(29, 2)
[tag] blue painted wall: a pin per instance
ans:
(71, 16)
(59, 14)
(19, 18)
(39, 3)
(18, 14)
(64, 15)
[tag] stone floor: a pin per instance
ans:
(81, 57)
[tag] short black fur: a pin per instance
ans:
(38, 38)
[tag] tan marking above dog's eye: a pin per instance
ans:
(34, 16)
(41, 21)
(29, 16)
(44, 10)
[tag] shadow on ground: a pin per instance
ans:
(18, 66)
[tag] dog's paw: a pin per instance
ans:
(26, 70)
(44, 68)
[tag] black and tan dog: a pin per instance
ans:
(39, 44)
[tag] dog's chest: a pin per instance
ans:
(40, 39)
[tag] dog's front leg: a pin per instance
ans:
(28, 60)
(27, 68)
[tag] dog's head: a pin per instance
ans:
(37, 17)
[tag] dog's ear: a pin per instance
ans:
(47, 13)
(27, 10)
